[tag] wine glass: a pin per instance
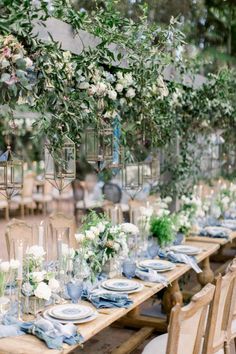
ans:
(75, 289)
(129, 268)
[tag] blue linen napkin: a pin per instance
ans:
(104, 299)
(215, 232)
(151, 275)
(180, 258)
(53, 333)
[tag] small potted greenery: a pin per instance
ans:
(162, 229)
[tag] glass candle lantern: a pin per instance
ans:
(60, 170)
(11, 174)
(151, 168)
(132, 176)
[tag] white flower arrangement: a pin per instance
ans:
(36, 252)
(43, 291)
(129, 228)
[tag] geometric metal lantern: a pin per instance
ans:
(98, 147)
(60, 170)
(132, 176)
(11, 174)
(151, 168)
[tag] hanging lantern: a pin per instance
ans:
(11, 174)
(132, 176)
(60, 170)
(98, 147)
(151, 168)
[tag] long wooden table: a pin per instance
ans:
(28, 344)
(219, 240)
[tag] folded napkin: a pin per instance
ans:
(180, 258)
(53, 333)
(104, 299)
(215, 231)
(151, 275)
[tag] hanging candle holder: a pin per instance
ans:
(11, 174)
(151, 169)
(60, 170)
(98, 147)
(132, 177)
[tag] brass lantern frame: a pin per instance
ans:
(132, 176)
(11, 173)
(60, 169)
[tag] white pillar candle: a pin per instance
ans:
(20, 259)
(41, 234)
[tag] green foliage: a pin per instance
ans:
(162, 229)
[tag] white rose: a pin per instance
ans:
(119, 87)
(119, 75)
(14, 264)
(168, 200)
(79, 237)
(112, 94)
(38, 276)
(130, 93)
(54, 285)
(129, 228)
(95, 230)
(5, 267)
(90, 235)
(66, 251)
(101, 227)
(101, 89)
(43, 291)
(35, 251)
(129, 79)
(28, 62)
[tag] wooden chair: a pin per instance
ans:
(25, 199)
(134, 210)
(219, 331)
(186, 327)
(60, 220)
(18, 230)
(4, 205)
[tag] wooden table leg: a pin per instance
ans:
(171, 297)
(207, 275)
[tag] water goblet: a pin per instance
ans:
(75, 289)
(152, 248)
(129, 268)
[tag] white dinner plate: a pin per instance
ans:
(188, 250)
(90, 318)
(71, 311)
(120, 284)
(157, 264)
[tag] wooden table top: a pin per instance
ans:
(30, 344)
(217, 240)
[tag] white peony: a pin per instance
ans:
(37, 277)
(119, 88)
(129, 228)
(95, 230)
(112, 94)
(5, 267)
(90, 235)
(130, 93)
(43, 291)
(35, 251)
(14, 264)
(54, 285)
(79, 237)
(101, 89)
(101, 227)
(167, 199)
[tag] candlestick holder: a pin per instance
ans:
(19, 298)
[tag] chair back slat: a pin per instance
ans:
(221, 312)
(187, 324)
(28, 185)
(17, 230)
